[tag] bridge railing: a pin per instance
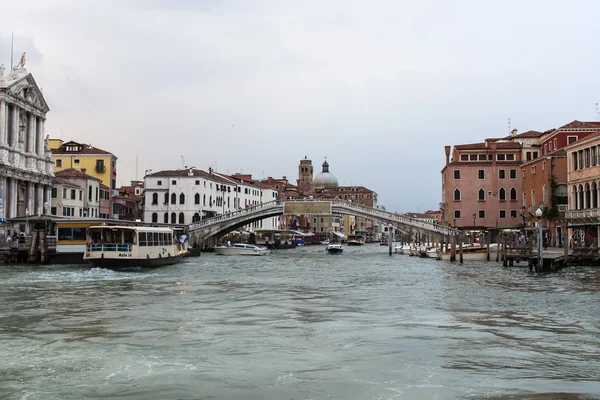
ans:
(235, 214)
(385, 215)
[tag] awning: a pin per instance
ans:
(303, 234)
(339, 234)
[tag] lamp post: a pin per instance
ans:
(538, 213)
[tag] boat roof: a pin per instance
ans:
(133, 228)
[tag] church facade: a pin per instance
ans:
(26, 168)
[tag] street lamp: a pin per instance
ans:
(538, 213)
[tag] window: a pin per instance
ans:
(182, 198)
(54, 194)
(543, 165)
(545, 149)
(502, 214)
(513, 174)
(159, 183)
(456, 194)
(73, 195)
(173, 218)
(510, 157)
(535, 155)
(500, 157)
(513, 194)
(571, 139)
(173, 199)
(197, 198)
(197, 183)
(53, 210)
(173, 182)
(528, 156)
(502, 194)
(513, 214)
(181, 218)
(481, 174)
(64, 193)
(154, 198)
(80, 195)
(533, 170)
(502, 174)
(473, 157)
(481, 195)
(457, 214)
(482, 157)
(456, 174)
(58, 163)
(555, 144)
(100, 166)
(154, 217)
(481, 214)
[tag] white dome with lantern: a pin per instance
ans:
(325, 180)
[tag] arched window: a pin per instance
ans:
(181, 218)
(166, 218)
(594, 195)
(456, 194)
(166, 198)
(154, 198)
(502, 194)
(545, 194)
(173, 218)
(154, 217)
(210, 203)
(182, 198)
(204, 199)
(196, 217)
(587, 196)
(574, 197)
(481, 194)
(173, 198)
(197, 198)
(580, 195)
(513, 194)
(227, 201)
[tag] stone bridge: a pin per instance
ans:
(220, 225)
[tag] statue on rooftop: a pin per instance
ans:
(22, 61)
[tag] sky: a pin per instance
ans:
(254, 86)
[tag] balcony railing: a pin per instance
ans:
(100, 168)
(590, 213)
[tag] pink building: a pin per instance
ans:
(481, 185)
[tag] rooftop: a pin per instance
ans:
(74, 173)
(483, 146)
(80, 148)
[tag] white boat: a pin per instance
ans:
(334, 248)
(472, 253)
(131, 246)
(241, 249)
(402, 249)
(355, 240)
(432, 252)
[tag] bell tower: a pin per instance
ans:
(305, 176)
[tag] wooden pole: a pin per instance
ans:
(488, 245)
(566, 244)
(453, 247)
(499, 246)
(460, 247)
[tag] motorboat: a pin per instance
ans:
(325, 242)
(355, 240)
(334, 248)
(131, 246)
(472, 253)
(242, 249)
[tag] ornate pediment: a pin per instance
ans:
(25, 88)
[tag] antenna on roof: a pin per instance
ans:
(12, 42)
(597, 113)
(136, 167)
(509, 125)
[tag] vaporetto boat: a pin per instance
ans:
(131, 246)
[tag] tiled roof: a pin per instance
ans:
(86, 149)
(589, 137)
(482, 145)
(103, 186)
(357, 189)
(58, 181)
(580, 125)
(481, 163)
(186, 173)
(74, 173)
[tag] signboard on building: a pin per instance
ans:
(307, 207)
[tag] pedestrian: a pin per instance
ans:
(545, 241)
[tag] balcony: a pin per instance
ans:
(593, 213)
(100, 168)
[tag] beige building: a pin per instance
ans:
(76, 194)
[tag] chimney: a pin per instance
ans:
(83, 170)
(513, 133)
(447, 149)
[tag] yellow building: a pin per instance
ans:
(95, 162)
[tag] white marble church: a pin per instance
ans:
(26, 167)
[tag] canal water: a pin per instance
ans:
(300, 324)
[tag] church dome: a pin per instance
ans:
(325, 180)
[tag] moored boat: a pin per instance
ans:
(131, 246)
(242, 249)
(472, 253)
(334, 248)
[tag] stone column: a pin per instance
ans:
(13, 198)
(3, 117)
(3, 191)
(15, 127)
(39, 199)
(30, 133)
(30, 204)
(40, 137)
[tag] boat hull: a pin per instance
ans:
(335, 251)
(116, 263)
(232, 251)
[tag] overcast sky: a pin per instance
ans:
(377, 87)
